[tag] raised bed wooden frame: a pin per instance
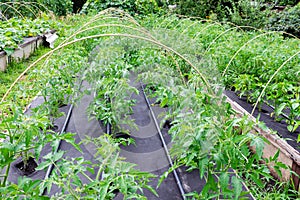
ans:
(26, 48)
(288, 155)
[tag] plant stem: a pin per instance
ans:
(102, 164)
(86, 176)
(69, 187)
(6, 175)
(8, 166)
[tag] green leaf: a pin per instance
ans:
(255, 178)
(58, 155)
(38, 150)
(250, 162)
(262, 125)
(31, 186)
(224, 180)
(290, 128)
(282, 165)
(9, 51)
(48, 156)
(275, 157)
(162, 178)
(295, 106)
(164, 102)
(76, 181)
(210, 185)
(91, 170)
(202, 166)
(43, 165)
(151, 189)
(278, 111)
(69, 137)
(237, 186)
(296, 125)
(278, 171)
(259, 145)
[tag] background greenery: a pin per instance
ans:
(131, 6)
(288, 21)
(58, 7)
(259, 14)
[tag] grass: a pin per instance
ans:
(14, 69)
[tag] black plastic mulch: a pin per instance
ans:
(147, 152)
(265, 116)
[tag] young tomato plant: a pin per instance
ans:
(111, 84)
(112, 174)
(24, 136)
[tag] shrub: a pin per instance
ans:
(249, 13)
(59, 7)
(288, 21)
(204, 8)
(240, 12)
(26, 7)
(286, 2)
(131, 6)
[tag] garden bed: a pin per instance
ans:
(25, 49)
(206, 136)
(282, 141)
(147, 152)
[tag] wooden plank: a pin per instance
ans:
(288, 155)
(25, 49)
(3, 61)
(296, 181)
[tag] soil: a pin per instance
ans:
(265, 115)
(28, 169)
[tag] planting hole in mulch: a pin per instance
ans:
(122, 135)
(150, 88)
(27, 170)
(264, 111)
(158, 102)
(54, 128)
(168, 124)
(62, 104)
